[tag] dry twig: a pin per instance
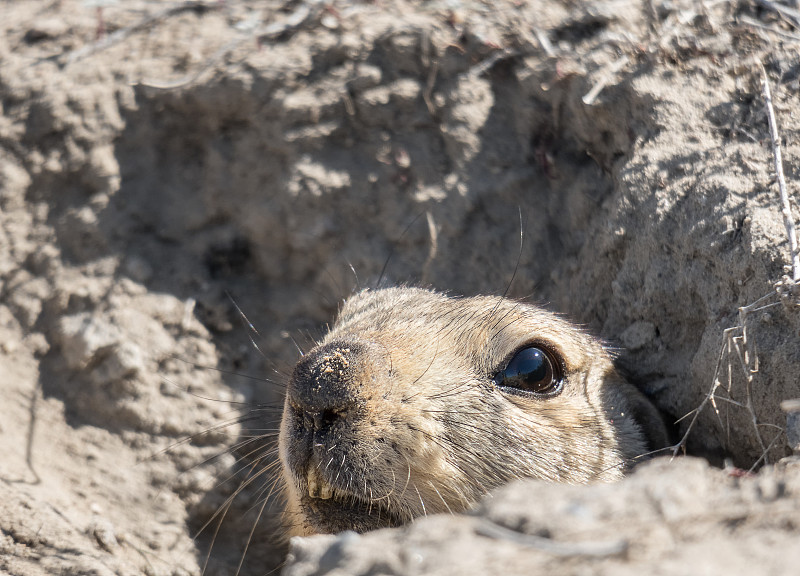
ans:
(144, 23)
(605, 79)
(786, 208)
(544, 41)
(487, 63)
(736, 343)
(433, 231)
(429, 84)
(735, 339)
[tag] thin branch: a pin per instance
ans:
(144, 23)
(605, 79)
(786, 208)
(544, 41)
(485, 64)
(735, 345)
(715, 383)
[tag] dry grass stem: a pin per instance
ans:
(736, 343)
(544, 41)
(786, 208)
(605, 79)
(146, 22)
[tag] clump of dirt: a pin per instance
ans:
(155, 160)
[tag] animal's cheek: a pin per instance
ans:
(392, 438)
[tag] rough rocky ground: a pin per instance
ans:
(271, 149)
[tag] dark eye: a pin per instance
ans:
(531, 370)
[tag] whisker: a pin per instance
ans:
(250, 537)
(220, 371)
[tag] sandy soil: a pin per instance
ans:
(156, 158)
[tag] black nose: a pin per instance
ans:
(327, 382)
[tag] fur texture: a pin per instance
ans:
(395, 414)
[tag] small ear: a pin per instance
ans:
(649, 420)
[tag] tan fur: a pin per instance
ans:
(410, 423)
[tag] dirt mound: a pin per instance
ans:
(154, 160)
(667, 517)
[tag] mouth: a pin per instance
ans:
(331, 509)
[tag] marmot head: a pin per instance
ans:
(416, 403)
